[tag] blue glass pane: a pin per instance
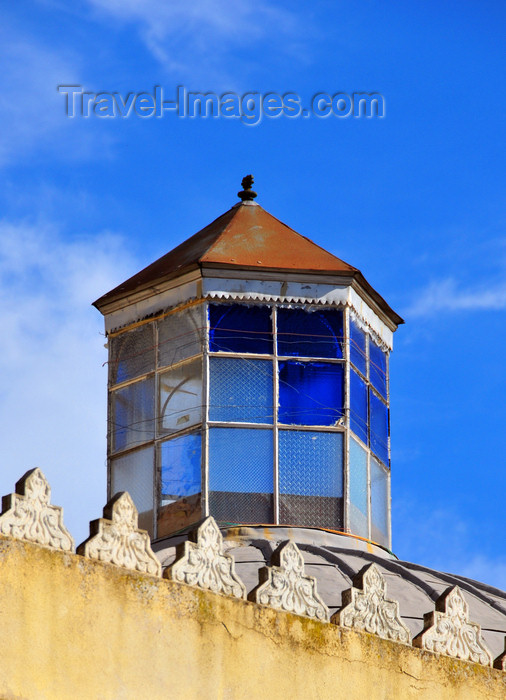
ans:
(241, 460)
(358, 406)
(238, 328)
(310, 393)
(133, 409)
(240, 390)
(357, 347)
(358, 490)
(379, 503)
(310, 463)
(310, 333)
(379, 427)
(180, 460)
(378, 368)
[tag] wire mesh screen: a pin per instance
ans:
(134, 473)
(132, 354)
(241, 475)
(181, 335)
(311, 478)
(240, 390)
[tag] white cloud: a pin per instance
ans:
(448, 296)
(32, 111)
(188, 37)
(53, 392)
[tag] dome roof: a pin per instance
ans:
(335, 559)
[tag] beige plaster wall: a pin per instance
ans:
(72, 628)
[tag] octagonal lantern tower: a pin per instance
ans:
(248, 380)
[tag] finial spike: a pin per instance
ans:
(247, 194)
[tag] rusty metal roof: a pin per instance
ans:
(247, 237)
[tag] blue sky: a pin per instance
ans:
(415, 200)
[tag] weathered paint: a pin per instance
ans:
(72, 627)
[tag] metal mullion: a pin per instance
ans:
(205, 417)
(347, 413)
(175, 365)
(301, 358)
(313, 428)
(275, 415)
(128, 382)
(369, 497)
(389, 509)
(156, 460)
(238, 424)
(242, 355)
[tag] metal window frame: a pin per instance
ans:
(159, 437)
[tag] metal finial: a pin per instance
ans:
(247, 194)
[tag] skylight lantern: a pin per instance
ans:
(248, 380)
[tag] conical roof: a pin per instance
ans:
(246, 237)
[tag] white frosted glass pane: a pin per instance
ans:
(379, 503)
(241, 474)
(180, 335)
(132, 414)
(358, 490)
(180, 397)
(131, 354)
(134, 473)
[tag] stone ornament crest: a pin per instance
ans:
(366, 607)
(116, 539)
(285, 586)
(28, 514)
(203, 563)
(447, 630)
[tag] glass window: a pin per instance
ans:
(180, 335)
(358, 490)
(357, 347)
(358, 406)
(316, 333)
(241, 474)
(180, 467)
(240, 328)
(180, 397)
(134, 473)
(379, 503)
(311, 478)
(310, 393)
(379, 427)
(133, 409)
(240, 390)
(378, 368)
(132, 354)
